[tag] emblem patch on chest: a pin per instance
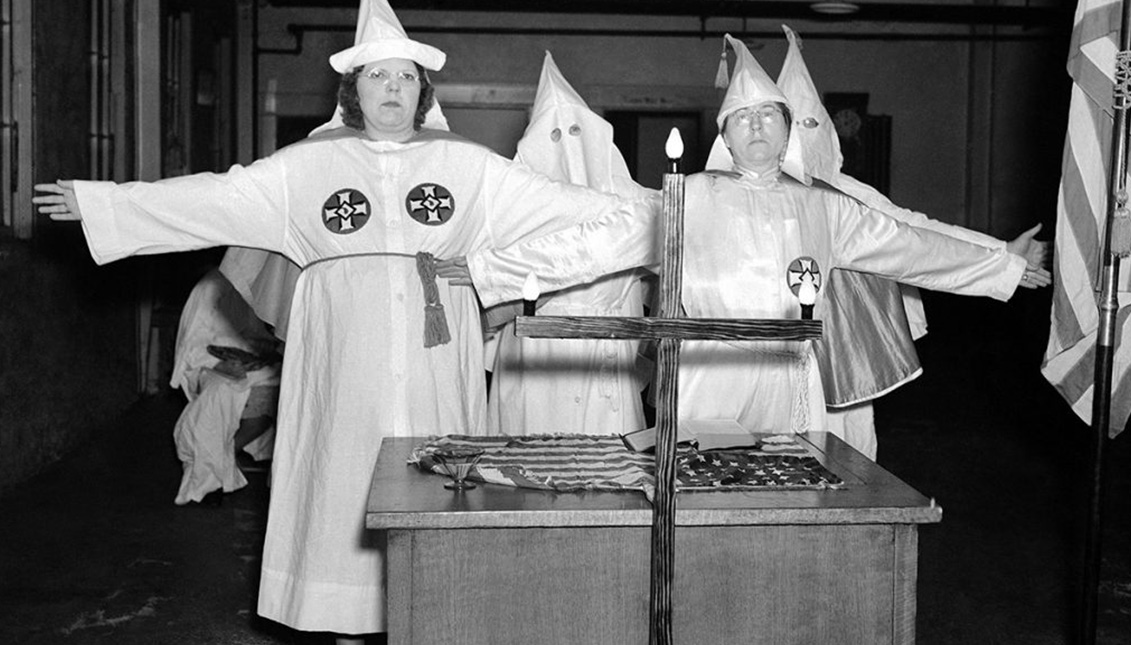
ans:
(345, 211)
(430, 204)
(801, 270)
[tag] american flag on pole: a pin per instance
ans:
(1081, 216)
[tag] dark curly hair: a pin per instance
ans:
(351, 105)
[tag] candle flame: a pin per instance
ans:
(674, 147)
(807, 292)
(530, 288)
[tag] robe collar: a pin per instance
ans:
(753, 179)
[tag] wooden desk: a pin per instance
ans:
(499, 565)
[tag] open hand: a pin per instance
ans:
(1035, 252)
(455, 271)
(58, 200)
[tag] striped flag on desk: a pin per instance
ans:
(572, 463)
(1081, 214)
(565, 463)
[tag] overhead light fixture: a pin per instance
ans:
(835, 8)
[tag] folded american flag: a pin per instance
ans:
(570, 463)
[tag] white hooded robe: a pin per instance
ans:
(741, 235)
(581, 386)
(352, 213)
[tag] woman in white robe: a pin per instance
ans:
(743, 229)
(365, 359)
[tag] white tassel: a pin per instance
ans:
(722, 77)
(1121, 234)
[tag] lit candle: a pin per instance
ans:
(530, 293)
(807, 294)
(673, 148)
(671, 259)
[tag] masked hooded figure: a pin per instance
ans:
(572, 386)
(869, 322)
(751, 234)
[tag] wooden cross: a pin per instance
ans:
(670, 328)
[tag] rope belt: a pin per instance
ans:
(435, 321)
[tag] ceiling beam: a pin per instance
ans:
(970, 14)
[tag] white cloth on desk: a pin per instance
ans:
(741, 234)
(352, 212)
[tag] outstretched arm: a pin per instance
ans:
(866, 240)
(1034, 251)
(622, 239)
(246, 206)
(58, 200)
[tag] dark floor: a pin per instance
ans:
(94, 551)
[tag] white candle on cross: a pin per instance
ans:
(807, 294)
(530, 293)
(673, 148)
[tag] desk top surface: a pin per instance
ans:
(404, 497)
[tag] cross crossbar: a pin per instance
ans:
(658, 328)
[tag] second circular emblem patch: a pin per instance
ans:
(430, 204)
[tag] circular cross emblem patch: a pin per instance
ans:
(801, 270)
(430, 204)
(345, 211)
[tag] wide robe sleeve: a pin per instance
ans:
(245, 206)
(525, 204)
(867, 240)
(875, 200)
(618, 240)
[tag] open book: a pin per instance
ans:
(706, 434)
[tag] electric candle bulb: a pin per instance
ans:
(673, 148)
(530, 293)
(807, 293)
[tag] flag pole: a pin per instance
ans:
(1105, 338)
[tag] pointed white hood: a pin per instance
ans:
(750, 85)
(568, 142)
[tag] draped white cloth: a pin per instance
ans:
(214, 314)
